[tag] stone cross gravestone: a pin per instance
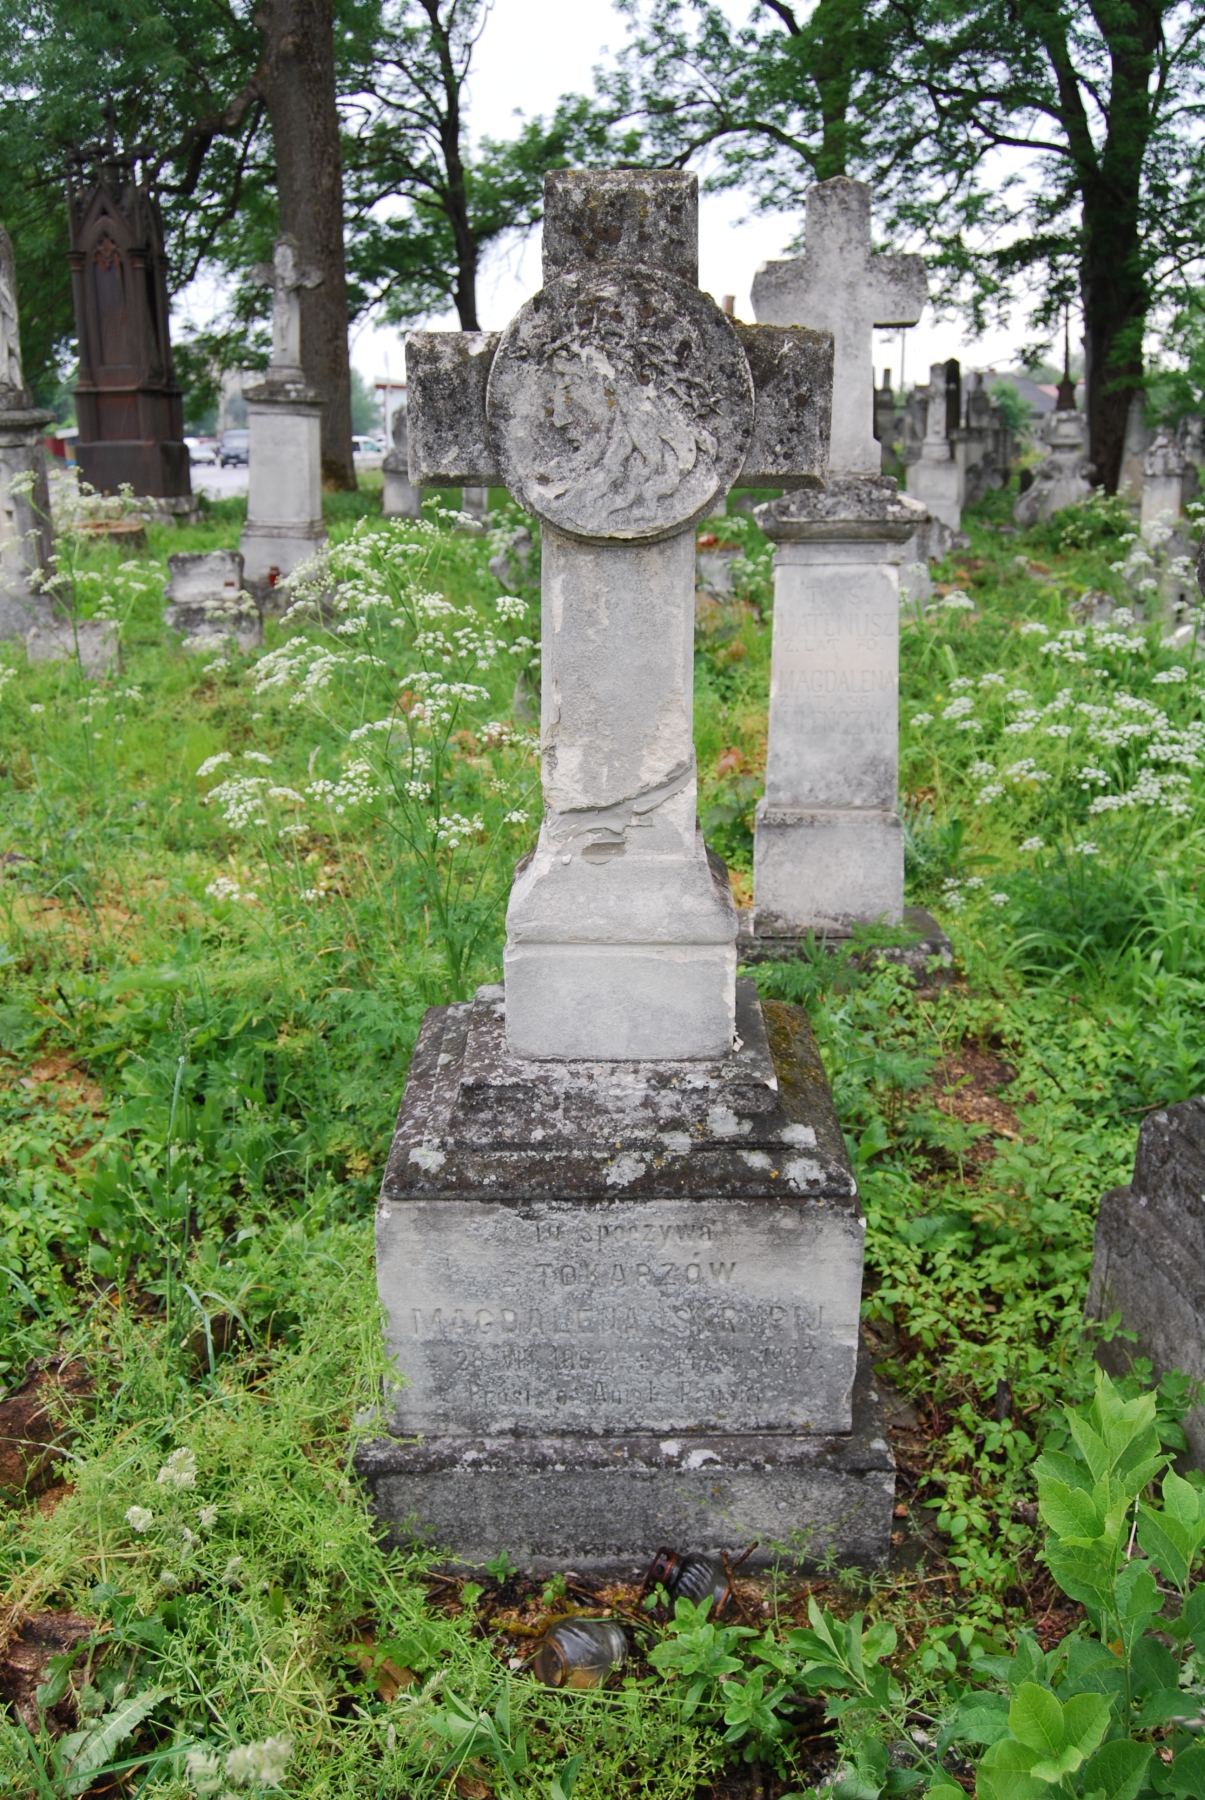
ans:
(828, 844)
(619, 407)
(25, 534)
(619, 1246)
(284, 488)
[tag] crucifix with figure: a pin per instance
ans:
(619, 407)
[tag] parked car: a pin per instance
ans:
(367, 452)
(201, 450)
(235, 447)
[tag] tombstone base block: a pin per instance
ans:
(826, 869)
(619, 1001)
(921, 940)
(603, 1505)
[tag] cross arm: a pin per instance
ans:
(792, 370)
(446, 375)
(901, 289)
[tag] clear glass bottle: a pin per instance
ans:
(688, 1576)
(580, 1653)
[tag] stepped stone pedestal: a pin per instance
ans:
(619, 1242)
(625, 1300)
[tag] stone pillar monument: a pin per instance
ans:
(128, 403)
(934, 479)
(284, 498)
(828, 843)
(1061, 478)
(619, 1246)
(25, 534)
(399, 500)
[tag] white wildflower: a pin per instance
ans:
(179, 1471)
(34, 707)
(257, 756)
(992, 791)
(961, 682)
(1058, 731)
(139, 1518)
(208, 1517)
(922, 718)
(204, 1771)
(979, 771)
(958, 709)
(1034, 627)
(999, 899)
(1087, 849)
(1166, 676)
(1033, 843)
(213, 762)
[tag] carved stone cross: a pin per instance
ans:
(286, 276)
(619, 406)
(841, 286)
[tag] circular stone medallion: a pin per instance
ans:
(620, 405)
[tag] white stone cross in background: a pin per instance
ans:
(619, 406)
(841, 285)
(286, 276)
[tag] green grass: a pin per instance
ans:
(204, 1034)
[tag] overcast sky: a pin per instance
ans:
(533, 51)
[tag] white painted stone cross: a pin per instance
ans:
(841, 285)
(619, 407)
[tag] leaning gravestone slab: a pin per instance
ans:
(93, 641)
(1149, 1258)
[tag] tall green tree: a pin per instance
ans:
(1044, 148)
(426, 203)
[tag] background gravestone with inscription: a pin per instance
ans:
(619, 1243)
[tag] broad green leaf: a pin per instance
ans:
(1165, 1704)
(1164, 1542)
(1036, 1719)
(1070, 1512)
(1182, 1501)
(1117, 1769)
(1087, 1575)
(1153, 1666)
(1185, 1777)
(1085, 1718)
(979, 1719)
(1193, 1615)
(1004, 1773)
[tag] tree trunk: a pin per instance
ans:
(297, 78)
(456, 199)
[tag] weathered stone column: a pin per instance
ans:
(25, 535)
(399, 500)
(935, 480)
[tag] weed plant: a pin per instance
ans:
(230, 887)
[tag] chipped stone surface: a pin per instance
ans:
(615, 1247)
(792, 372)
(620, 404)
(94, 640)
(1149, 1257)
(446, 375)
(597, 216)
(602, 1505)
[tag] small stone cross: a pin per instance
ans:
(842, 286)
(286, 276)
(619, 406)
